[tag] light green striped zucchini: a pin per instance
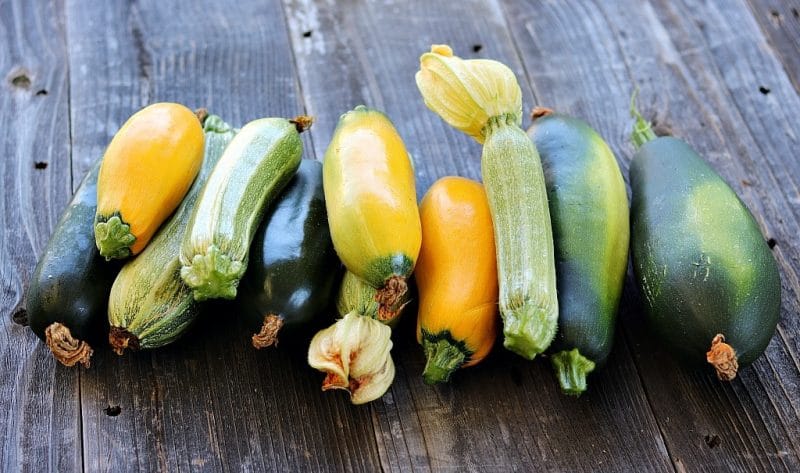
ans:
(149, 305)
(253, 170)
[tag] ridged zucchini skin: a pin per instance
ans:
(255, 167)
(71, 282)
(293, 270)
(150, 306)
(700, 260)
(589, 212)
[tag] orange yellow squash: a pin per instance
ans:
(457, 278)
(147, 169)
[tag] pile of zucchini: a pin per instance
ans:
(184, 208)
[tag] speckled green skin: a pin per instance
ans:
(700, 260)
(253, 170)
(589, 212)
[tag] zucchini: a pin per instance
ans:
(371, 199)
(149, 305)
(589, 212)
(482, 98)
(252, 171)
(147, 169)
(293, 267)
(68, 292)
(710, 285)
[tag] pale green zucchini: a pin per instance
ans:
(253, 170)
(150, 306)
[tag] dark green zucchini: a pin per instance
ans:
(293, 267)
(710, 285)
(589, 212)
(68, 292)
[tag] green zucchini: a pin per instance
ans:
(68, 292)
(293, 267)
(589, 212)
(253, 170)
(710, 285)
(150, 306)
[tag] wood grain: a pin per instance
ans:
(698, 70)
(724, 76)
(39, 404)
(209, 402)
(780, 22)
(506, 414)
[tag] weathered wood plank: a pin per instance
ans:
(39, 408)
(584, 58)
(780, 22)
(210, 402)
(506, 414)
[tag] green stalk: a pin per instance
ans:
(571, 370)
(444, 356)
(642, 131)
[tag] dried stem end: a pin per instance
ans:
(539, 112)
(120, 339)
(67, 349)
(268, 336)
(723, 358)
(391, 298)
(302, 122)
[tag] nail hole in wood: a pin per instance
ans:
(795, 13)
(477, 48)
(712, 441)
(40, 165)
(775, 14)
(746, 183)
(42, 92)
(772, 243)
(112, 411)
(307, 34)
(21, 80)
(20, 316)
(763, 90)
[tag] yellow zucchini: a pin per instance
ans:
(371, 200)
(147, 169)
(456, 277)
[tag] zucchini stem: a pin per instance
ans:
(443, 357)
(571, 370)
(113, 238)
(528, 330)
(723, 358)
(67, 349)
(268, 336)
(642, 131)
(120, 339)
(539, 112)
(213, 275)
(302, 122)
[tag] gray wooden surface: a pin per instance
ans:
(724, 75)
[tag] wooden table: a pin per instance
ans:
(723, 75)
